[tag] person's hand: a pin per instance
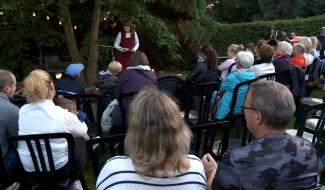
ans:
(126, 49)
(209, 163)
(133, 50)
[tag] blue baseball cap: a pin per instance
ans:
(74, 69)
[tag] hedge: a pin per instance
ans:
(244, 33)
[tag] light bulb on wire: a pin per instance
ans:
(34, 14)
(1, 13)
(47, 17)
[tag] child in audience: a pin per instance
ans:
(107, 79)
(233, 49)
(297, 56)
(71, 106)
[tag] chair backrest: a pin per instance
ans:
(302, 118)
(124, 100)
(39, 145)
(18, 100)
(115, 146)
(207, 76)
(235, 94)
(199, 96)
(205, 135)
(171, 84)
(269, 76)
(51, 60)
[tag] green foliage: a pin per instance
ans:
(225, 11)
(244, 33)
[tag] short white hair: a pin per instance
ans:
(245, 59)
(285, 47)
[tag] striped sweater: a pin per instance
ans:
(119, 174)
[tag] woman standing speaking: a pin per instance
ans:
(126, 43)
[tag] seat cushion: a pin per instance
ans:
(311, 123)
(307, 136)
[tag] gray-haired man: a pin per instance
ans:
(274, 159)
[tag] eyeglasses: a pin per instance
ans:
(244, 107)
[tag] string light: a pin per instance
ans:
(34, 14)
(75, 27)
(1, 13)
(47, 17)
(105, 19)
(60, 23)
(108, 12)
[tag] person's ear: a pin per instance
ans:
(259, 118)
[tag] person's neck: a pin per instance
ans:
(266, 131)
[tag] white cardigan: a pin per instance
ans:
(45, 117)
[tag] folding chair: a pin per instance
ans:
(115, 145)
(171, 84)
(270, 76)
(205, 135)
(198, 99)
(310, 129)
(45, 175)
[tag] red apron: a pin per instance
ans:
(123, 57)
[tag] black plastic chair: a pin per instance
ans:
(242, 134)
(198, 98)
(270, 76)
(18, 100)
(205, 135)
(124, 100)
(313, 134)
(54, 65)
(48, 177)
(5, 178)
(207, 76)
(115, 145)
(171, 84)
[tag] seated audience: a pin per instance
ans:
(42, 116)
(265, 66)
(71, 82)
(282, 61)
(157, 143)
(233, 49)
(208, 62)
(297, 56)
(8, 119)
(274, 159)
(244, 60)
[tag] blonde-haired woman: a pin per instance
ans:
(157, 143)
(40, 116)
(307, 43)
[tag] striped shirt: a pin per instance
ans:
(119, 173)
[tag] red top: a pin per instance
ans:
(299, 61)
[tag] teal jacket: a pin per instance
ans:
(228, 86)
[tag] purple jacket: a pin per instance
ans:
(134, 80)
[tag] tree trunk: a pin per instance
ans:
(68, 32)
(93, 46)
